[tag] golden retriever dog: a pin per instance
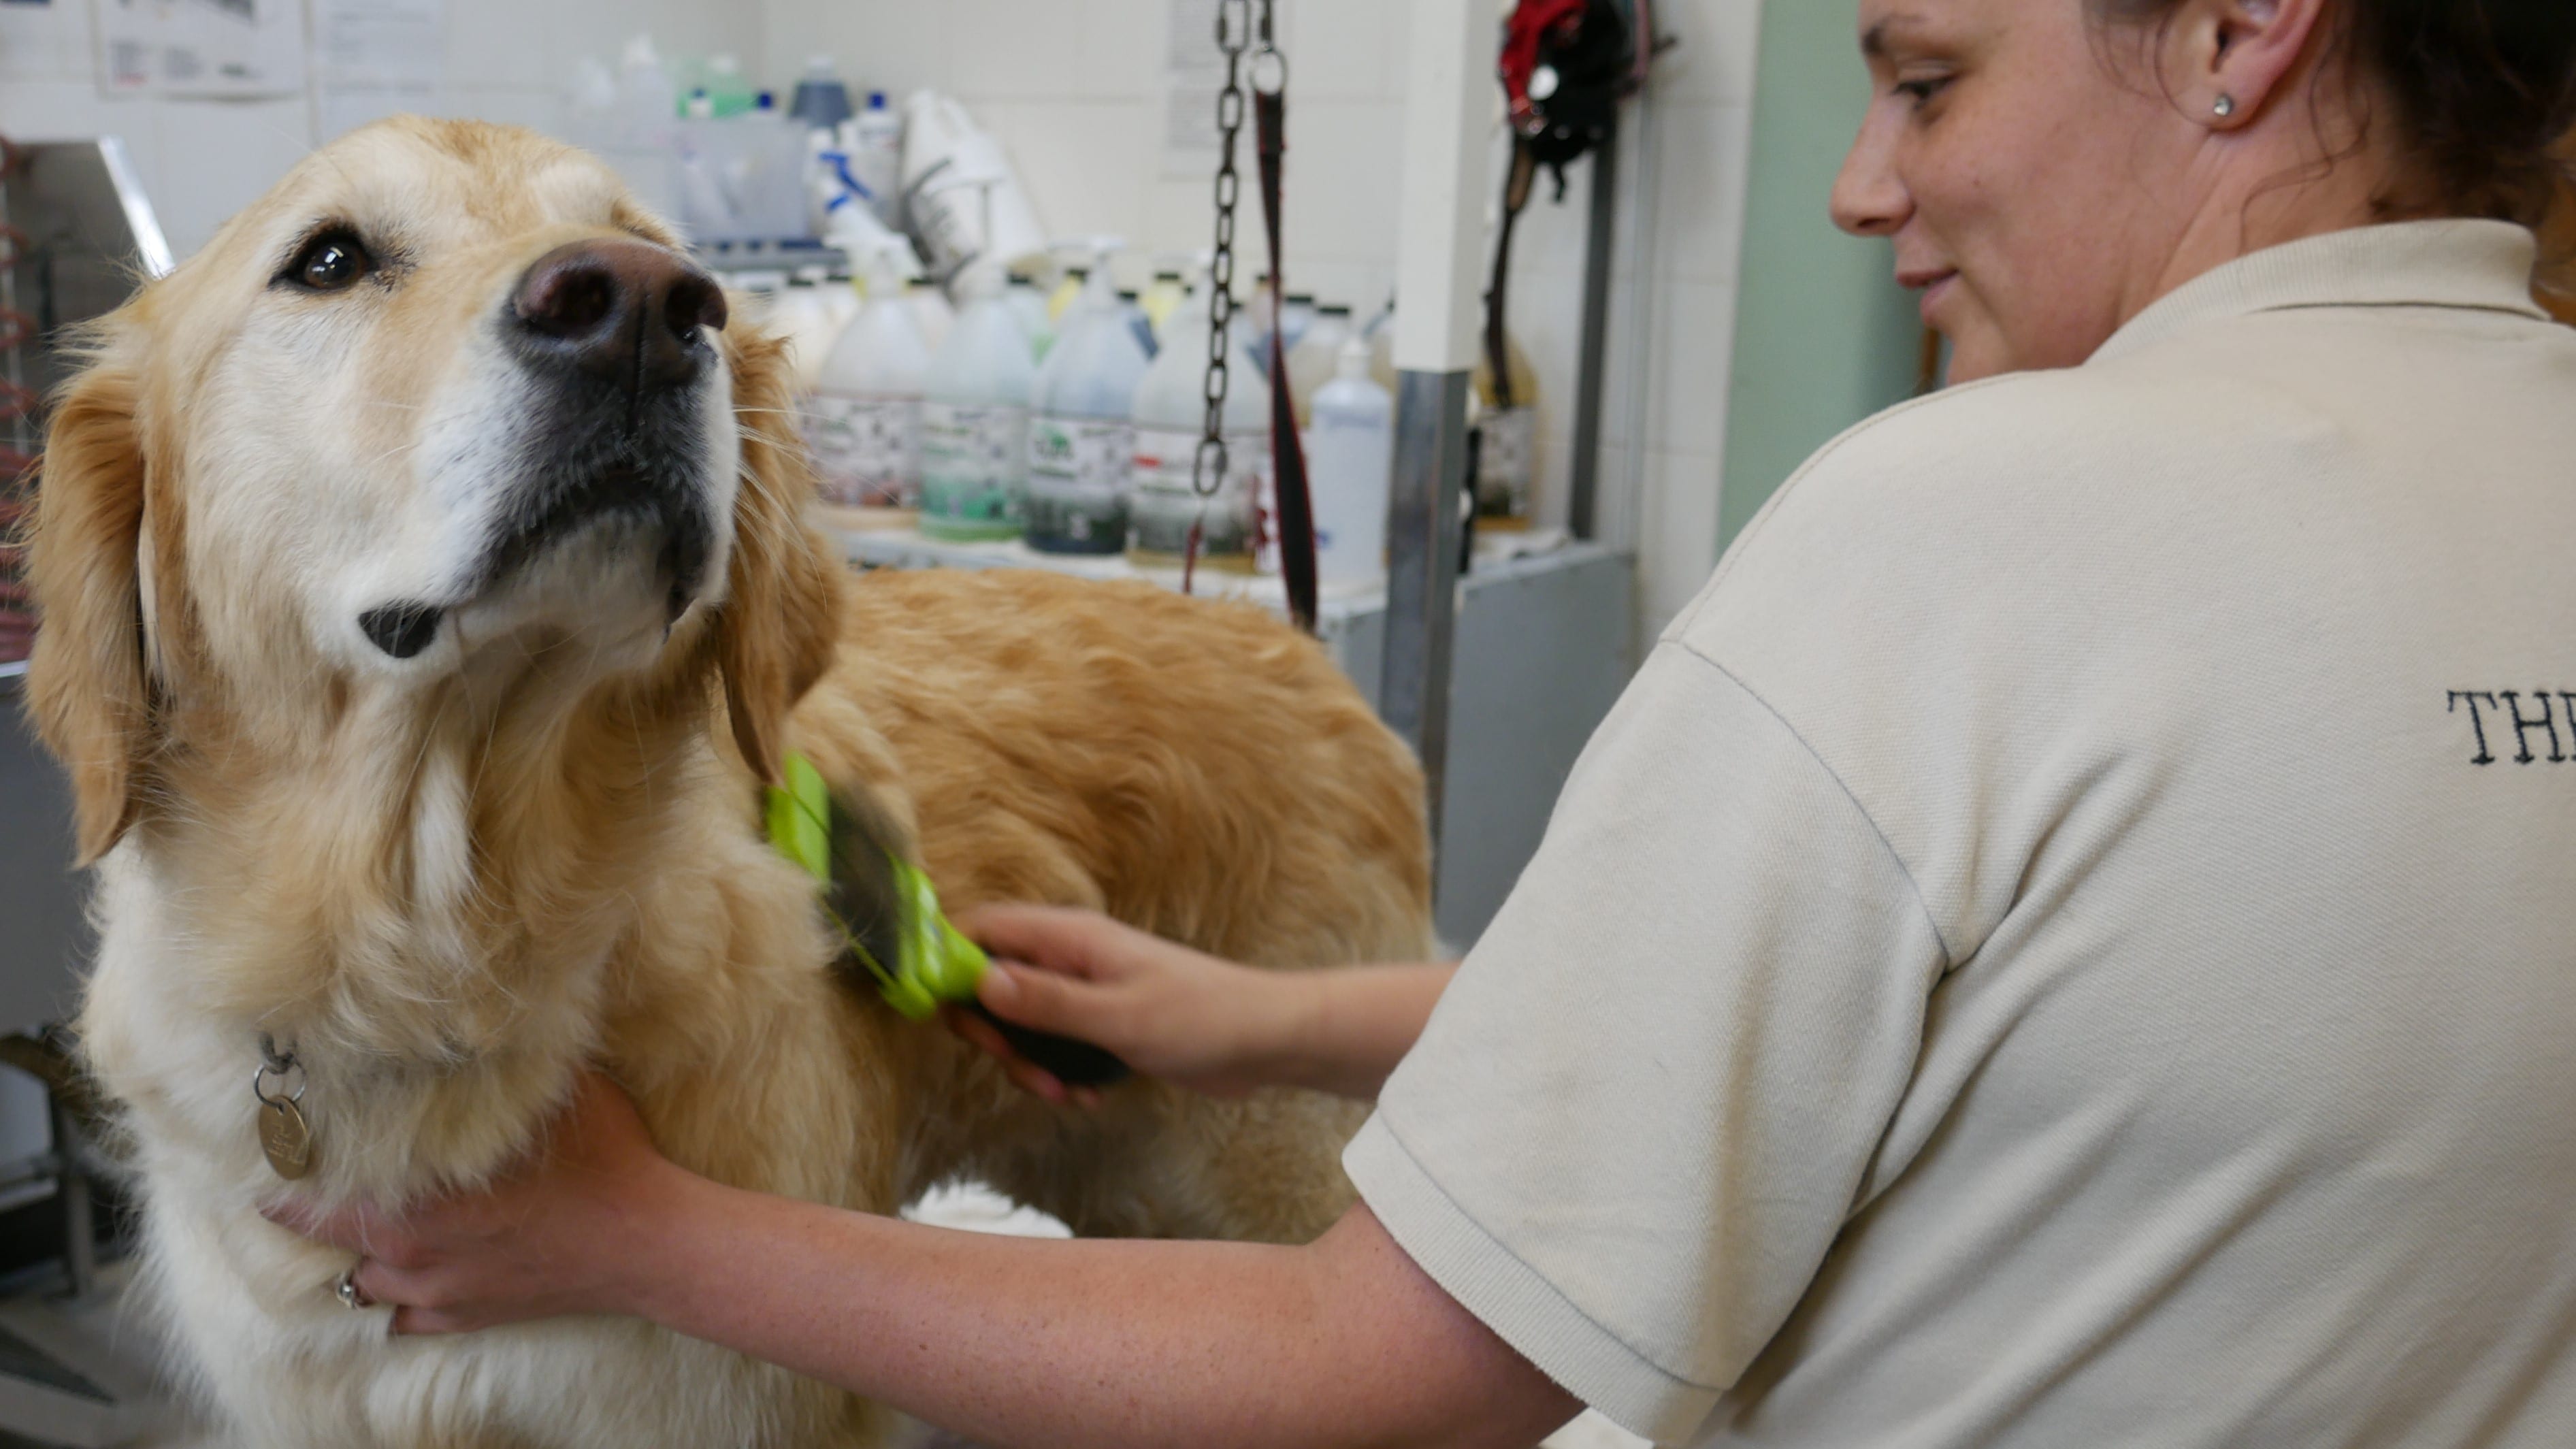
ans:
(427, 594)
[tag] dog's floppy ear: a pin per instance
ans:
(783, 609)
(86, 685)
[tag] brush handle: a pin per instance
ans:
(1074, 1063)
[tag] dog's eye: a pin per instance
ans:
(329, 263)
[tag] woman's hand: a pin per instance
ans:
(1174, 1013)
(561, 1233)
(1166, 1010)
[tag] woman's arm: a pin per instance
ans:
(1008, 1341)
(1190, 1018)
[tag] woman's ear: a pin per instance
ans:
(783, 612)
(86, 681)
(2238, 56)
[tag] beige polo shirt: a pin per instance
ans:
(2071, 940)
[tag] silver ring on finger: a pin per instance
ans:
(352, 1296)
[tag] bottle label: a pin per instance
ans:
(1078, 482)
(974, 464)
(1165, 503)
(1508, 463)
(867, 449)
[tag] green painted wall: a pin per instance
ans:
(1823, 335)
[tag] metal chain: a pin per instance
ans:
(1235, 36)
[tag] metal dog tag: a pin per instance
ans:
(287, 1139)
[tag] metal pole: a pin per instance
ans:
(1580, 500)
(1423, 526)
(1448, 120)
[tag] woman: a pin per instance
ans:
(2067, 941)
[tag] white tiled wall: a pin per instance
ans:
(1073, 89)
(201, 160)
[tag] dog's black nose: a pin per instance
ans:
(627, 312)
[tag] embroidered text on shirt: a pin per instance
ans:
(2505, 708)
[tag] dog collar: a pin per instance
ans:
(934, 961)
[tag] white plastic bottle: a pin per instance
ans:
(1138, 324)
(841, 299)
(930, 310)
(1349, 463)
(1171, 417)
(802, 315)
(1082, 434)
(1163, 298)
(864, 420)
(1031, 306)
(975, 420)
(876, 157)
(1312, 362)
(1068, 290)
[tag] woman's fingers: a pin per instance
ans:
(978, 1033)
(355, 1228)
(1045, 1001)
(1061, 939)
(1028, 1076)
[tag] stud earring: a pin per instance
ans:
(2225, 107)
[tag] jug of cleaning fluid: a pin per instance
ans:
(1350, 460)
(1171, 416)
(1031, 305)
(1140, 324)
(931, 311)
(803, 320)
(975, 418)
(1316, 358)
(1163, 298)
(865, 415)
(1082, 434)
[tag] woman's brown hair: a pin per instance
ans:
(2482, 90)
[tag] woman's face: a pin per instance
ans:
(2033, 193)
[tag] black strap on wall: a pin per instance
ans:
(1516, 195)
(1296, 521)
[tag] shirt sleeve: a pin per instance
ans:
(1645, 1106)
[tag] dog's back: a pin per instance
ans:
(1195, 769)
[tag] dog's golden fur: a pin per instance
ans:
(450, 886)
